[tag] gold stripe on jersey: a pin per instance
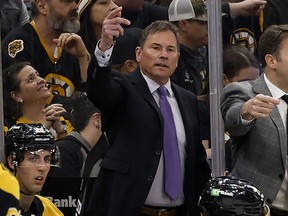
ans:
(82, 5)
(50, 54)
(49, 208)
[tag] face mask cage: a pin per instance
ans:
(35, 159)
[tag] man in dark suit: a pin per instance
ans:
(131, 180)
(255, 116)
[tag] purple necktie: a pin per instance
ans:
(173, 176)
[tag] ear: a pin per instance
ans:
(138, 52)
(10, 163)
(271, 61)
(96, 118)
(225, 80)
(182, 24)
(16, 96)
(41, 6)
(130, 65)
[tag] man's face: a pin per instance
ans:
(196, 33)
(63, 16)
(33, 170)
(280, 65)
(159, 56)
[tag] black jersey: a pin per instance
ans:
(42, 206)
(60, 69)
(244, 31)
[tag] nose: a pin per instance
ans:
(41, 80)
(113, 5)
(42, 166)
(75, 5)
(164, 53)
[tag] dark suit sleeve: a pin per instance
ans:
(102, 87)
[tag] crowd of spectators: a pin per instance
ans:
(96, 75)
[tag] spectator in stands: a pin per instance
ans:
(82, 150)
(85, 139)
(275, 13)
(50, 44)
(191, 18)
(26, 95)
(30, 152)
(239, 65)
(124, 56)
(12, 14)
(92, 14)
(242, 30)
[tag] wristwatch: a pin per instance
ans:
(64, 130)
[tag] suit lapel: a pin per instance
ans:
(142, 88)
(260, 87)
(184, 110)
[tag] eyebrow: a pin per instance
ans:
(158, 44)
(31, 74)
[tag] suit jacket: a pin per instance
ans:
(259, 149)
(135, 131)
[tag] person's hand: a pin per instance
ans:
(258, 107)
(112, 28)
(247, 8)
(52, 114)
(73, 44)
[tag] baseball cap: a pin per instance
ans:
(124, 48)
(187, 9)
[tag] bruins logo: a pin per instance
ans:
(244, 37)
(13, 212)
(60, 85)
(15, 47)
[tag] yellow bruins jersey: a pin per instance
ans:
(9, 193)
(49, 208)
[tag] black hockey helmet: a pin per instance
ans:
(225, 196)
(30, 137)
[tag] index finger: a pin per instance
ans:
(114, 13)
(117, 13)
(268, 99)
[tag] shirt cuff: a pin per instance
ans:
(246, 122)
(103, 58)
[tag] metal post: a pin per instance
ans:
(2, 156)
(216, 85)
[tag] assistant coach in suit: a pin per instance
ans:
(255, 116)
(131, 179)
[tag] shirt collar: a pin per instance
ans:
(153, 86)
(275, 91)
